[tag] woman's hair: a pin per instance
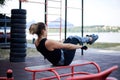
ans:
(37, 28)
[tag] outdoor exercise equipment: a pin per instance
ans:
(9, 75)
(18, 35)
(74, 75)
(98, 76)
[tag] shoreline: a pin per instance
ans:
(108, 37)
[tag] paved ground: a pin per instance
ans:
(104, 58)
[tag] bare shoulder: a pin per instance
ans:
(52, 44)
(52, 41)
(36, 43)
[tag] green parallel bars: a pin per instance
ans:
(82, 30)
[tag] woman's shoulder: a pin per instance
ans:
(38, 41)
(53, 44)
(50, 41)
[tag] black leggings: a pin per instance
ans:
(69, 54)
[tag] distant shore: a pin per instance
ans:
(110, 37)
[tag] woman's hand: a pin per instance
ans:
(84, 47)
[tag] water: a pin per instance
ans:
(109, 37)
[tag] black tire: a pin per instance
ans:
(18, 26)
(17, 54)
(18, 45)
(18, 40)
(18, 11)
(18, 50)
(17, 59)
(18, 21)
(18, 16)
(16, 35)
(23, 31)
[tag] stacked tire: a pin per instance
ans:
(18, 35)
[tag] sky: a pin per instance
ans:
(96, 12)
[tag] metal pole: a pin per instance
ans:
(5, 29)
(20, 4)
(46, 12)
(82, 30)
(65, 18)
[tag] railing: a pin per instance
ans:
(4, 26)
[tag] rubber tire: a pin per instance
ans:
(18, 26)
(18, 16)
(18, 40)
(17, 54)
(18, 45)
(17, 59)
(18, 50)
(23, 31)
(16, 35)
(18, 11)
(18, 21)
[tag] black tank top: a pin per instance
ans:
(52, 56)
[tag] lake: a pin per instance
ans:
(109, 37)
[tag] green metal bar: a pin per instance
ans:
(20, 4)
(82, 30)
(65, 19)
(45, 11)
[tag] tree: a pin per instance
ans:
(2, 2)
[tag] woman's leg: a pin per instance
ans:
(77, 40)
(69, 54)
(89, 39)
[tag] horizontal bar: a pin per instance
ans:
(55, 0)
(5, 20)
(36, 2)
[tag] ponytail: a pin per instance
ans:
(37, 28)
(33, 29)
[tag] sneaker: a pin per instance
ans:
(94, 38)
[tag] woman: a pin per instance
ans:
(58, 53)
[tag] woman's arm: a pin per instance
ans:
(51, 45)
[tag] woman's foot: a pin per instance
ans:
(93, 38)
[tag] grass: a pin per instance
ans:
(4, 53)
(31, 52)
(106, 46)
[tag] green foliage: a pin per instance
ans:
(2, 2)
(106, 46)
(89, 29)
(95, 29)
